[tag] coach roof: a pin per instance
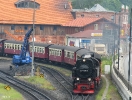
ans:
(2, 40)
(41, 44)
(62, 47)
(13, 41)
(73, 49)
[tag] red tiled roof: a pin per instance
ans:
(81, 22)
(85, 34)
(50, 12)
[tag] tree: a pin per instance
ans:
(114, 5)
(127, 2)
(81, 4)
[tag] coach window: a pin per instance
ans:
(10, 46)
(49, 51)
(40, 50)
(5, 45)
(43, 50)
(52, 52)
(30, 48)
(35, 49)
(56, 52)
(18, 47)
(60, 53)
(65, 54)
(68, 54)
(72, 55)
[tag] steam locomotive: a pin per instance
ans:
(86, 73)
(86, 65)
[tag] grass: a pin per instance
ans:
(11, 94)
(112, 93)
(100, 93)
(62, 70)
(40, 82)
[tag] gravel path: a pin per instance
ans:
(106, 89)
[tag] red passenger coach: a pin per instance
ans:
(70, 54)
(56, 53)
(12, 47)
(41, 50)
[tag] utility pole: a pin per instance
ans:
(129, 49)
(119, 41)
(32, 72)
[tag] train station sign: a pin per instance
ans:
(85, 41)
(96, 34)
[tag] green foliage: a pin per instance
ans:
(127, 2)
(106, 61)
(41, 82)
(81, 4)
(101, 91)
(114, 5)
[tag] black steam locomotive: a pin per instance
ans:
(86, 74)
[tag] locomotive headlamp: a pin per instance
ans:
(89, 79)
(84, 60)
(78, 79)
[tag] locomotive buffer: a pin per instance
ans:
(24, 57)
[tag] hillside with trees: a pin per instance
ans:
(114, 5)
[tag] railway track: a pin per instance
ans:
(36, 94)
(80, 97)
(60, 78)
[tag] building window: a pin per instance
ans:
(26, 4)
(95, 26)
(106, 26)
(25, 27)
(97, 15)
(12, 27)
(54, 28)
(82, 15)
(112, 17)
(41, 27)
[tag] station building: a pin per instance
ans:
(16, 18)
(54, 20)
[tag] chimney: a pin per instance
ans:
(127, 9)
(122, 8)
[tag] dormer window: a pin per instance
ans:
(26, 4)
